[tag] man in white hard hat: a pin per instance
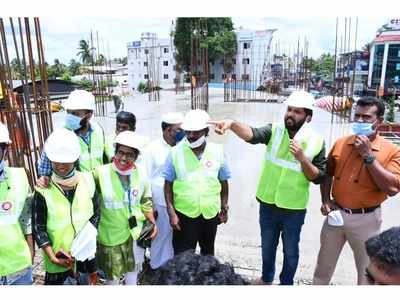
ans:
(79, 106)
(16, 243)
(125, 206)
(62, 210)
(125, 121)
(196, 186)
(295, 155)
(156, 154)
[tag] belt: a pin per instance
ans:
(366, 210)
(281, 209)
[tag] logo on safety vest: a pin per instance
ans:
(6, 206)
(208, 164)
(135, 192)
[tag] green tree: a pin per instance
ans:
(74, 67)
(56, 70)
(324, 66)
(101, 60)
(219, 38)
(85, 52)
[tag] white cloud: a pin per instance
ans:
(61, 34)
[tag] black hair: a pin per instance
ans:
(308, 112)
(188, 268)
(372, 101)
(385, 249)
(127, 117)
(165, 125)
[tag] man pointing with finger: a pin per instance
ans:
(295, 155)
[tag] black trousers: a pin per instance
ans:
(87, 266)
(193, 231)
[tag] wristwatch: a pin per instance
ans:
(370, 159)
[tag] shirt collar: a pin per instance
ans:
(375, 145)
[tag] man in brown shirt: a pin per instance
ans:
(362, 171)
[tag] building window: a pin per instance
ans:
(377, 66)
(174, 67)
(245, 76)
(392, 77)
(146, 51)
(165, 76)
(146, 76)
(165, 63)
(212, 76)
(222, 61)
(145, 64)
(246, 45)
(166, 50)
(246, 61)
(233, 61)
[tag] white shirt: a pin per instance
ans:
(156, 154)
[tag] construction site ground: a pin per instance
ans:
(238, 241)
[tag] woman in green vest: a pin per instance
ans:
(63, 209)
(125, 205)
(16, 244)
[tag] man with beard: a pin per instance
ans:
(295, 155)
(79, 106)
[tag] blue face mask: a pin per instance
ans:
(179, 135)
(72, 122)
(363, 128)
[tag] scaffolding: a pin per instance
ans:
(28, 114)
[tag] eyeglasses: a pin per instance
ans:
(128, 155)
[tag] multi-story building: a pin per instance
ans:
(151, 58)
(154, 57)
(250, 62)
(384, 63)
(346, 63)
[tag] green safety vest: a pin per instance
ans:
(92, 154)
(65, 220)
(109, 147)
(282, 180)
(14, 251)
(114, 207)
(196, 187)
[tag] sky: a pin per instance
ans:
(62, 34)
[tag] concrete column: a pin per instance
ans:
(384, 63)
(371, 65)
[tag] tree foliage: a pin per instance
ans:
(85, 52)
(219, 38)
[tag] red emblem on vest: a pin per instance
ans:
(208, 164)
(6, 206)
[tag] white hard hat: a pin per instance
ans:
(195, 120)
(301, 99)
(172, 118)
(62, 146)
(80, 99)
(4, 135)
(131, 139)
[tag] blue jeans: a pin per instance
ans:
(273, 223)
(23, 277)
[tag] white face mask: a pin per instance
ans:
(197, 143)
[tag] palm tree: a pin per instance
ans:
(85, 52)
